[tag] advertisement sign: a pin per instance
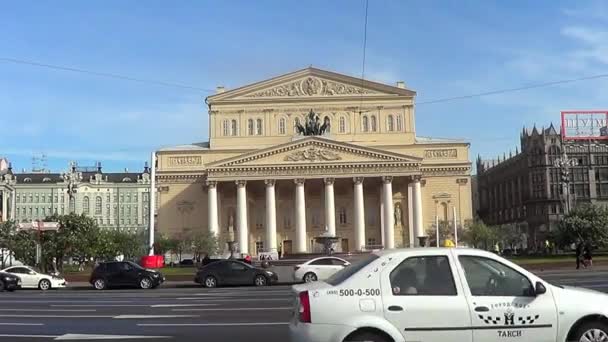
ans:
(584, 125)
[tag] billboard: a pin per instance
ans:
(585, 125)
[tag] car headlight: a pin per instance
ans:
(270, 273)
(155, 275)
(9, 278)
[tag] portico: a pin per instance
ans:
(311, 153)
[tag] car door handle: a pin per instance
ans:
(395, 308)
(482, 309)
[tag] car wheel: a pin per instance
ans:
(593, 331)
(367, 336)
(260, 280)
(310, 277)
(44, 284)
(99, 284)
(210, 282)
(145, 283)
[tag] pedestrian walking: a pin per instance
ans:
(579, 255)
(587, 257)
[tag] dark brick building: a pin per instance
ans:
(526, 188)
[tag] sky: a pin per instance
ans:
(441, 49)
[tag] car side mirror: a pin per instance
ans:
(31, 272)
(539, 288)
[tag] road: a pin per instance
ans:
(178, 314)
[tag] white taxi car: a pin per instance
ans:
(444, 295)
(32, 279)
(318, 269)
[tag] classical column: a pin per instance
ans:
(382, 225)
(4, 205)
(14, 205)
(410, 214)
(389, 219)
(330, 207)
(417, 204)
(300, 217)
(212, 214)
(359, 214)
(241, 216)
(271, 217)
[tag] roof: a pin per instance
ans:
(188, 147)
(38, 178)
(430, 140)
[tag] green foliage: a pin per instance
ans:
(479, 235)
(584, 223)
(204, 243)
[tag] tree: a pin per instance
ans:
(583, 224)
(204, 243)
(162, 244)
(182, 245)
(446, 231)
(479, 235)
(8, 233)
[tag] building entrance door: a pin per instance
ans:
(287, 247)
(344, 245)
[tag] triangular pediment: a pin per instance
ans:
(309, 83)
(314, 150)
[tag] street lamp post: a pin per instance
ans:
(564, 164)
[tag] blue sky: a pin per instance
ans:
(439, 48)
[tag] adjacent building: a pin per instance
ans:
(114, 200)
(313, 153)
(527, 187)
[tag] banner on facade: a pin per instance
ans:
(577, 125)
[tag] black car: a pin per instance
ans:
(232, 272)
(9, 282)
(124, 273)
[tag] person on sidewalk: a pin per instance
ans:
(579, 255)
(587, 257)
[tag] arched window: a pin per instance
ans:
(373, 123)
(259, 127)
(85, 205)
(365, 124)
(233, 128)
(342, 125)
(342, 215)
(226, 128)
(282, 126)
(443, 215)
(390, 124)
(98, 205)
(250, 128)
(399, 124)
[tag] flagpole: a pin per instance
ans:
(455, 228)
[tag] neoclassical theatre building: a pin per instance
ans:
(308, 153)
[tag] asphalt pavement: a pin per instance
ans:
(176, 312)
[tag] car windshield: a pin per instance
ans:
(345, 273)
(135, 265)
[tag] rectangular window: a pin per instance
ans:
(62, 197)
(37, 198)
(371, 241)
(128, 197)
(43, 198)
(135, 197)
(18, 199)
(423, 276)
(122, 198)
(259, 246)
(122, 221)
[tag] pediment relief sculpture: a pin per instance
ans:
(313, 154)
(312, 86)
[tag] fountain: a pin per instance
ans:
(327, 240)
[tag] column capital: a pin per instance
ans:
(416, 178)
(240, 183)
(299, 181)
(358, 180)
(387, 179)
(329, 181)
(211, 184)
(269, 182)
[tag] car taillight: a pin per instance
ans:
(304, 307)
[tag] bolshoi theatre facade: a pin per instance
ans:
(313, 153)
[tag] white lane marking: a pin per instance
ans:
(79, 337)
(179, 305)
(19, 324)
(232, 293)
(236, 309)
(215, 300)
(210, 324)
(51, 310)
(28, 336)
(56, 316)
(152, 316)
(98, 305)
(62, 301)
